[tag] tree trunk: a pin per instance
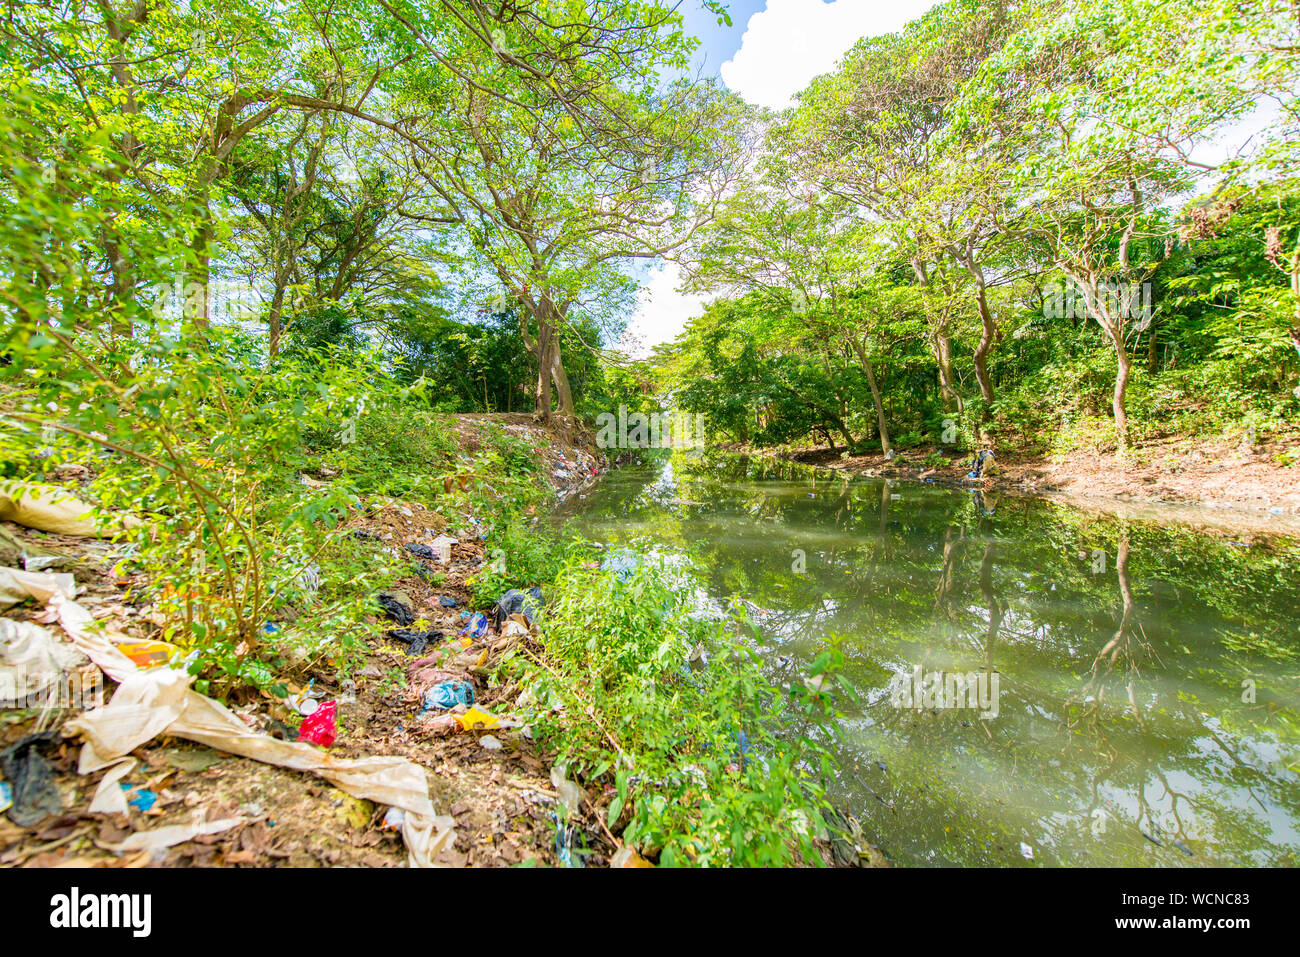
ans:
(561, 379)
(1123, 366)
(542, 387)
(947, 381)
(886, 445)
(1112, 323)
(987, 335)
(122, 289)
(273, 321)
(200, 272)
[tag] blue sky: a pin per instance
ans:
(720, 42)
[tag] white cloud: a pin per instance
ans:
(792, 41)
(662, 312)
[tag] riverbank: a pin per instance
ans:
(491, 790)
(1212, 484)
(497, 793)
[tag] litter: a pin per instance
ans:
(160, 701)
(148, 654)
(396, 609)
(513, 628)
(172, 834)
(51, 508)
(491, 743)
(568, 794)
(305, 702)
(6, 795)
(515, 602)
(419, 550)
(564, 852)
(142, 799)
(477, 626)
(319, 727)
(35, 795)
(442, 548)
(31, 660)
(446, 601)
(474, 718)
(626, 856)
(16, 586)
(309, 579)
(415, 641)
(393, 819)
(31, 557)
(446, 695)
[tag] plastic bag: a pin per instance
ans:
(320, 726)
(448, 694)
(474, 718)
(35, 795)
(477, 626)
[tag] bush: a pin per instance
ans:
(713, 766)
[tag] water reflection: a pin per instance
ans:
(1124, 735)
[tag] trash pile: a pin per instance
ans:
(440, 765)
(150, 700)
(569, 467)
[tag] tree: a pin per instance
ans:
(879, 131)
(560, 175)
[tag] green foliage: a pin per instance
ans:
(397, 446)
(711, 765)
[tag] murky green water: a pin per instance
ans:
(1148, 676)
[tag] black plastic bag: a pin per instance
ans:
(415, 641)
(515, 602)
(395, 610)
(32, 777)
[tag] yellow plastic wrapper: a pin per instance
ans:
(474, 718)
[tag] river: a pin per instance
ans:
(1136, 683)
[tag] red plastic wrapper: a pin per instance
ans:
(319, 727)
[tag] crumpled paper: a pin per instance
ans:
(151, 702)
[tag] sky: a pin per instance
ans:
(771, 52)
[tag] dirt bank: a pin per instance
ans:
(1210, 484)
